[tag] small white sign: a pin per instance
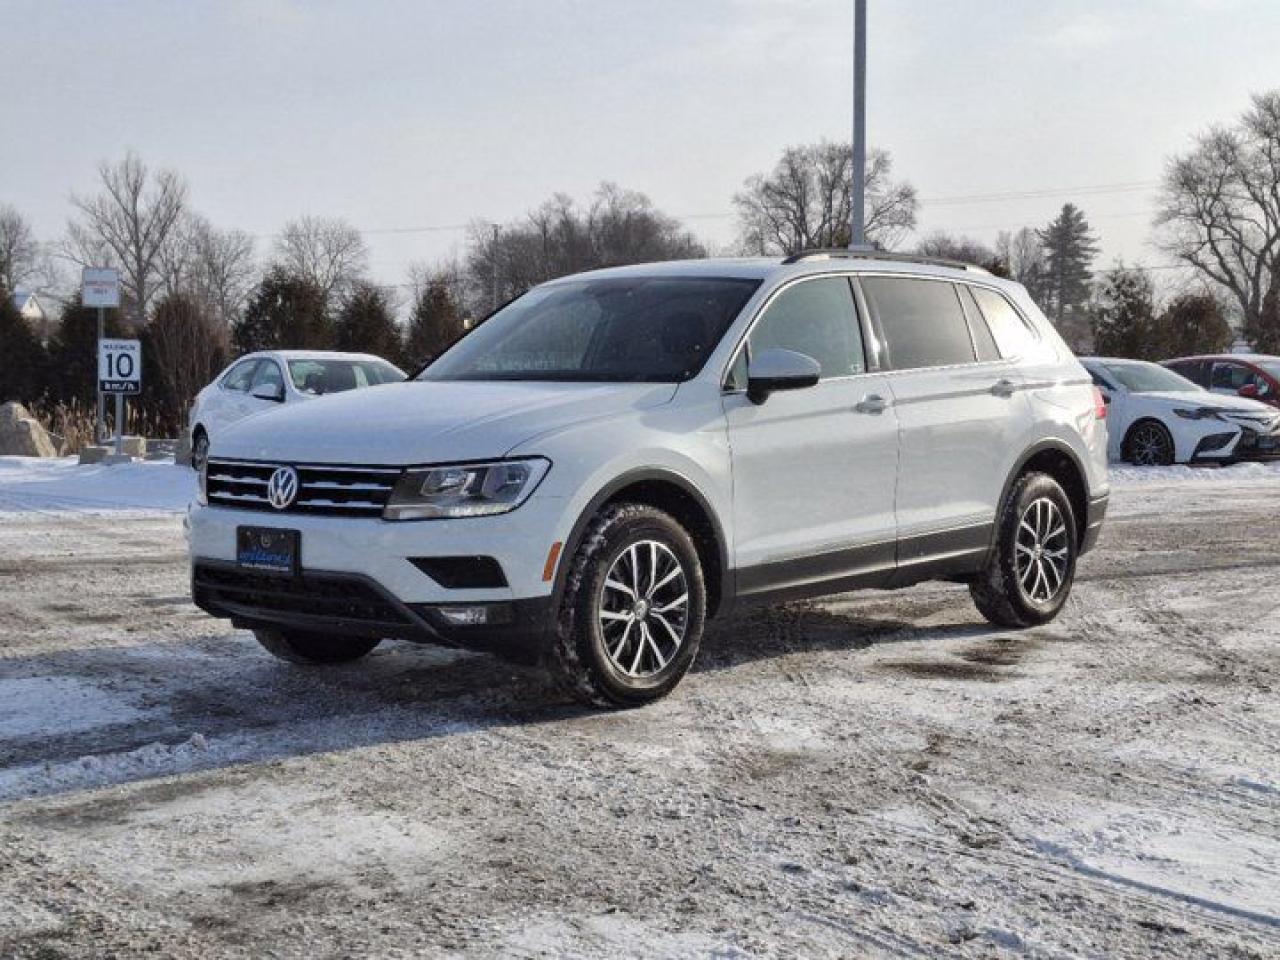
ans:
(100, 287)
(120, 366)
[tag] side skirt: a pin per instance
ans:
(933, 556)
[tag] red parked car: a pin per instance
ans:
(1251, 375)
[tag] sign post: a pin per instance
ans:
(119, 373)
(100, 288)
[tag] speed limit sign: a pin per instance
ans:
(120, 366)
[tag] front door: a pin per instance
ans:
(813, 469)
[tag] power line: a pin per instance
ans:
(1088, 190)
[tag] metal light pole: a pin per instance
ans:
(101, 429)
(857, 214)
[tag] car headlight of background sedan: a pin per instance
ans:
(1198, 413)
(464, 490)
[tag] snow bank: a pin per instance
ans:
(1126, 476)
(33, 484)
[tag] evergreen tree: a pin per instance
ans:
(1124, 322)
(285, 312)
(366, 324)
(73, 351)
(1193, 323)
(23, 360)
(1069, 249)
(435, 324)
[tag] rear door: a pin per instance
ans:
(961, 408)
(814, 470)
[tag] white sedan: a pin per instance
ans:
(1156, 417)
(262, 381)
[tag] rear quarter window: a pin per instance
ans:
(1011, 333)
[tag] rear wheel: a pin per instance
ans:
(1148, 444)
(632, 614)
(300, 646)
(1029, 574)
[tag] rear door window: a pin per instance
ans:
(816, 318)
(922, 321)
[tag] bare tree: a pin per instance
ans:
(1220, 213)
(804, 202)
(326, 251)
(964, 249)
(129, 225)
(216, 266)
(189, 344)
(19, 252)
(617, 227)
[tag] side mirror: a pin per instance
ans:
(776, 369)
(1249, 390)
(268, 391)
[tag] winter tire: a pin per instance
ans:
(1032, 565)
(299, 646)
(1148, 444)
(632, 614)
(199, 449)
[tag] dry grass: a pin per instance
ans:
(71, 425)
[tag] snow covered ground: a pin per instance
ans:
(881, 774)
(31, 484)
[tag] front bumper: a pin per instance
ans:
(356, 606)
(357, 576)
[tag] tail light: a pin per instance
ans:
(1099, 404)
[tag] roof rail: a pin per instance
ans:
(843, 253)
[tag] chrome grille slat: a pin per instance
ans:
(322, 490)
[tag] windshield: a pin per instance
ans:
(318, 377)
(635, 329)
(1139, 377)
(1271, 366)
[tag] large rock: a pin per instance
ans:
(21, 435)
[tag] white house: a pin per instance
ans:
(32, 310)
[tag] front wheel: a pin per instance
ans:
(1029, 573)
(631, 618)
(301, 646)
(199, 450)
(1148, 444)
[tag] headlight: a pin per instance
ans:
(464, 490)
(1200, 413)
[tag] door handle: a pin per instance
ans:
(871, 403)
(1004, 387)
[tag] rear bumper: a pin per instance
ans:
(1093, 522)
(355, 605)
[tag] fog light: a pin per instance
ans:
(476, 616)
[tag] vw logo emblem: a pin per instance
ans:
(282, 488)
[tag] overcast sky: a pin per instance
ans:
(402, 115)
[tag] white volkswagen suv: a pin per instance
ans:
(615, 457)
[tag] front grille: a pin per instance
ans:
(324, 490)
(310, 597)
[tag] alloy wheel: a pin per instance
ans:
(644, 609)
(1041, 550)
(1149, 446)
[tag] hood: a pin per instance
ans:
(1203, 398)
(398, 424)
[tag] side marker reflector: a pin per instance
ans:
(553, 555)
